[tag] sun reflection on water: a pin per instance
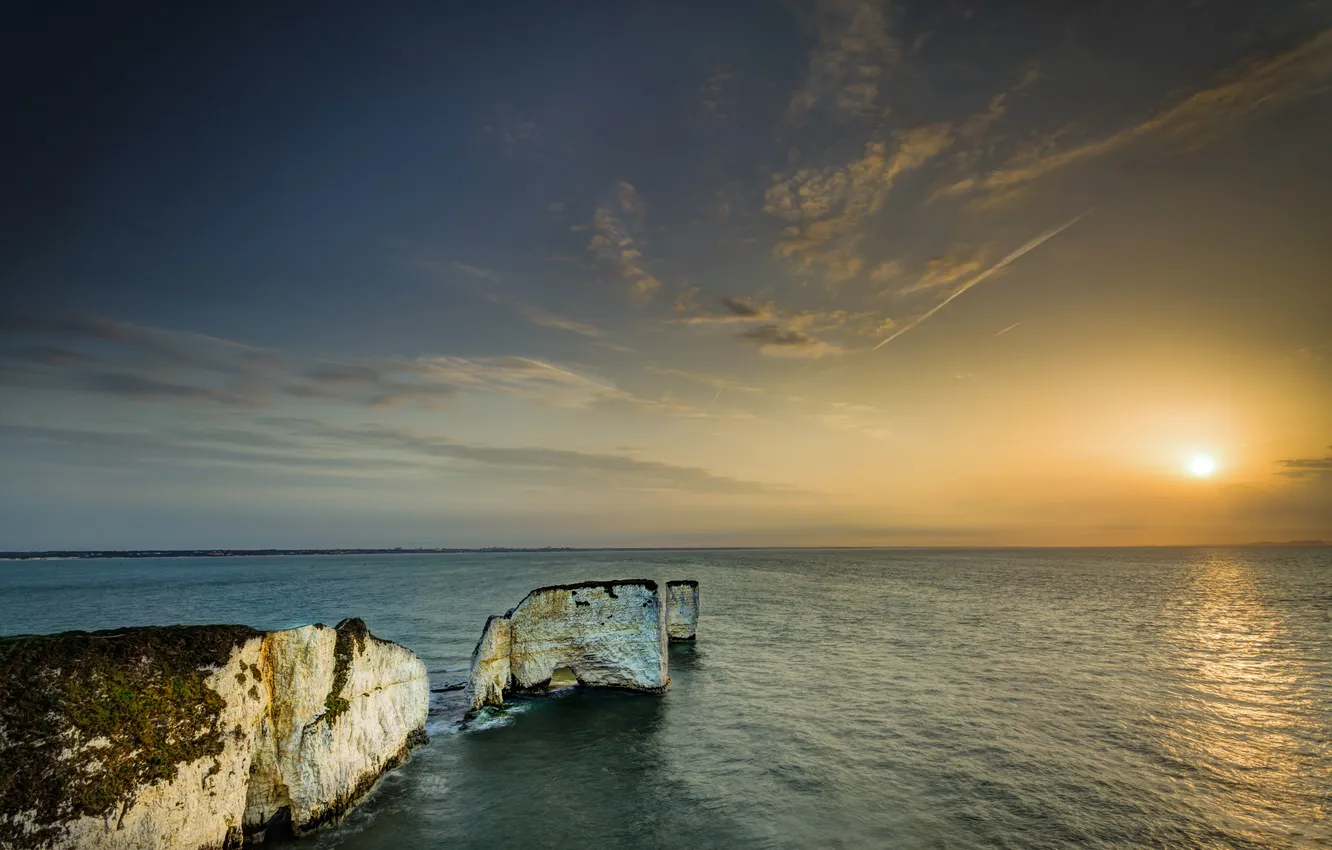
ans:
(1248, 714)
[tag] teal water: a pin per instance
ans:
(839, 699)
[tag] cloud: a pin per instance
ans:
(115, 358)
(947, 269)
(974, 131)
(560, 465)
(856, 418)
(974, 128)
(519, 135)
(531, 312)
(741, 307)
(715, 95)
(537, 316)
(684, 302)
(1197, 120)
(737, 310)
(825, 207)
(1307, 467)
(476, 271)
(521, 377)
(148, 388)
(630, 201)
(176, 348)
(703, 378)
(252, 378)
(548, 383)
(46, 355)
(614, 248)
(887, 271)
(385, 384)
(253, 450)
(783, 332)
(776, 341)
(306, 447)
(854, 56)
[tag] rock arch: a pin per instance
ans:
(609, 633)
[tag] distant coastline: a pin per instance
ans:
(95, 554)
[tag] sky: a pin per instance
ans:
(816, 272)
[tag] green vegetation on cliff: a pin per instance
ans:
(86, 718)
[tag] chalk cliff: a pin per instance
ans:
(197, 736)
(609, 634)
(681, 610)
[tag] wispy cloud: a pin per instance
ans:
(736, 310)
(309, 447)
(776, 341)
(856, 418)
(825, 207)
(785, 332)
(631, 203)
(378, 385)
(992, 270)
(703, 378)
(614, 247)
(518, 135)
(854, 56)
(947, 269)
(1255, 85)
(476, 271)
(534, 314)
(685, 298)
(715, 99)
(114, 358)
(1307, 467)
(146, 364)
(522, 377)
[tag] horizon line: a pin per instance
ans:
(277, 551)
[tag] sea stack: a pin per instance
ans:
(607, 633)
(191, 737)
(682, 610)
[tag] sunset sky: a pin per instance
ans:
(956, 272)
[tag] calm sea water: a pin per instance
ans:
(910, 699)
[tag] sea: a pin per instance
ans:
(891, 698)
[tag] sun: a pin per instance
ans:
(1202, 466)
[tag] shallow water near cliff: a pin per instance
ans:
(898, 698)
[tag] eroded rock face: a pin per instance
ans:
(610, 634)
(197, 736)
(682, 610)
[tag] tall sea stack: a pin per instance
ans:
(682, 610)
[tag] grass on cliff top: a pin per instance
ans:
(138, 693)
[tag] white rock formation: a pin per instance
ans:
(681, 610)
(609, 634)
(199, 737)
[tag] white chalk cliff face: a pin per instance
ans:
(198, 737)
(610, 634)
(682, 610)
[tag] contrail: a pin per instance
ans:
(999, 266)
(714, 400)
(1007, 329)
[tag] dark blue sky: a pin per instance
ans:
(664, 272)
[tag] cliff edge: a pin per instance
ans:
(196, 737)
